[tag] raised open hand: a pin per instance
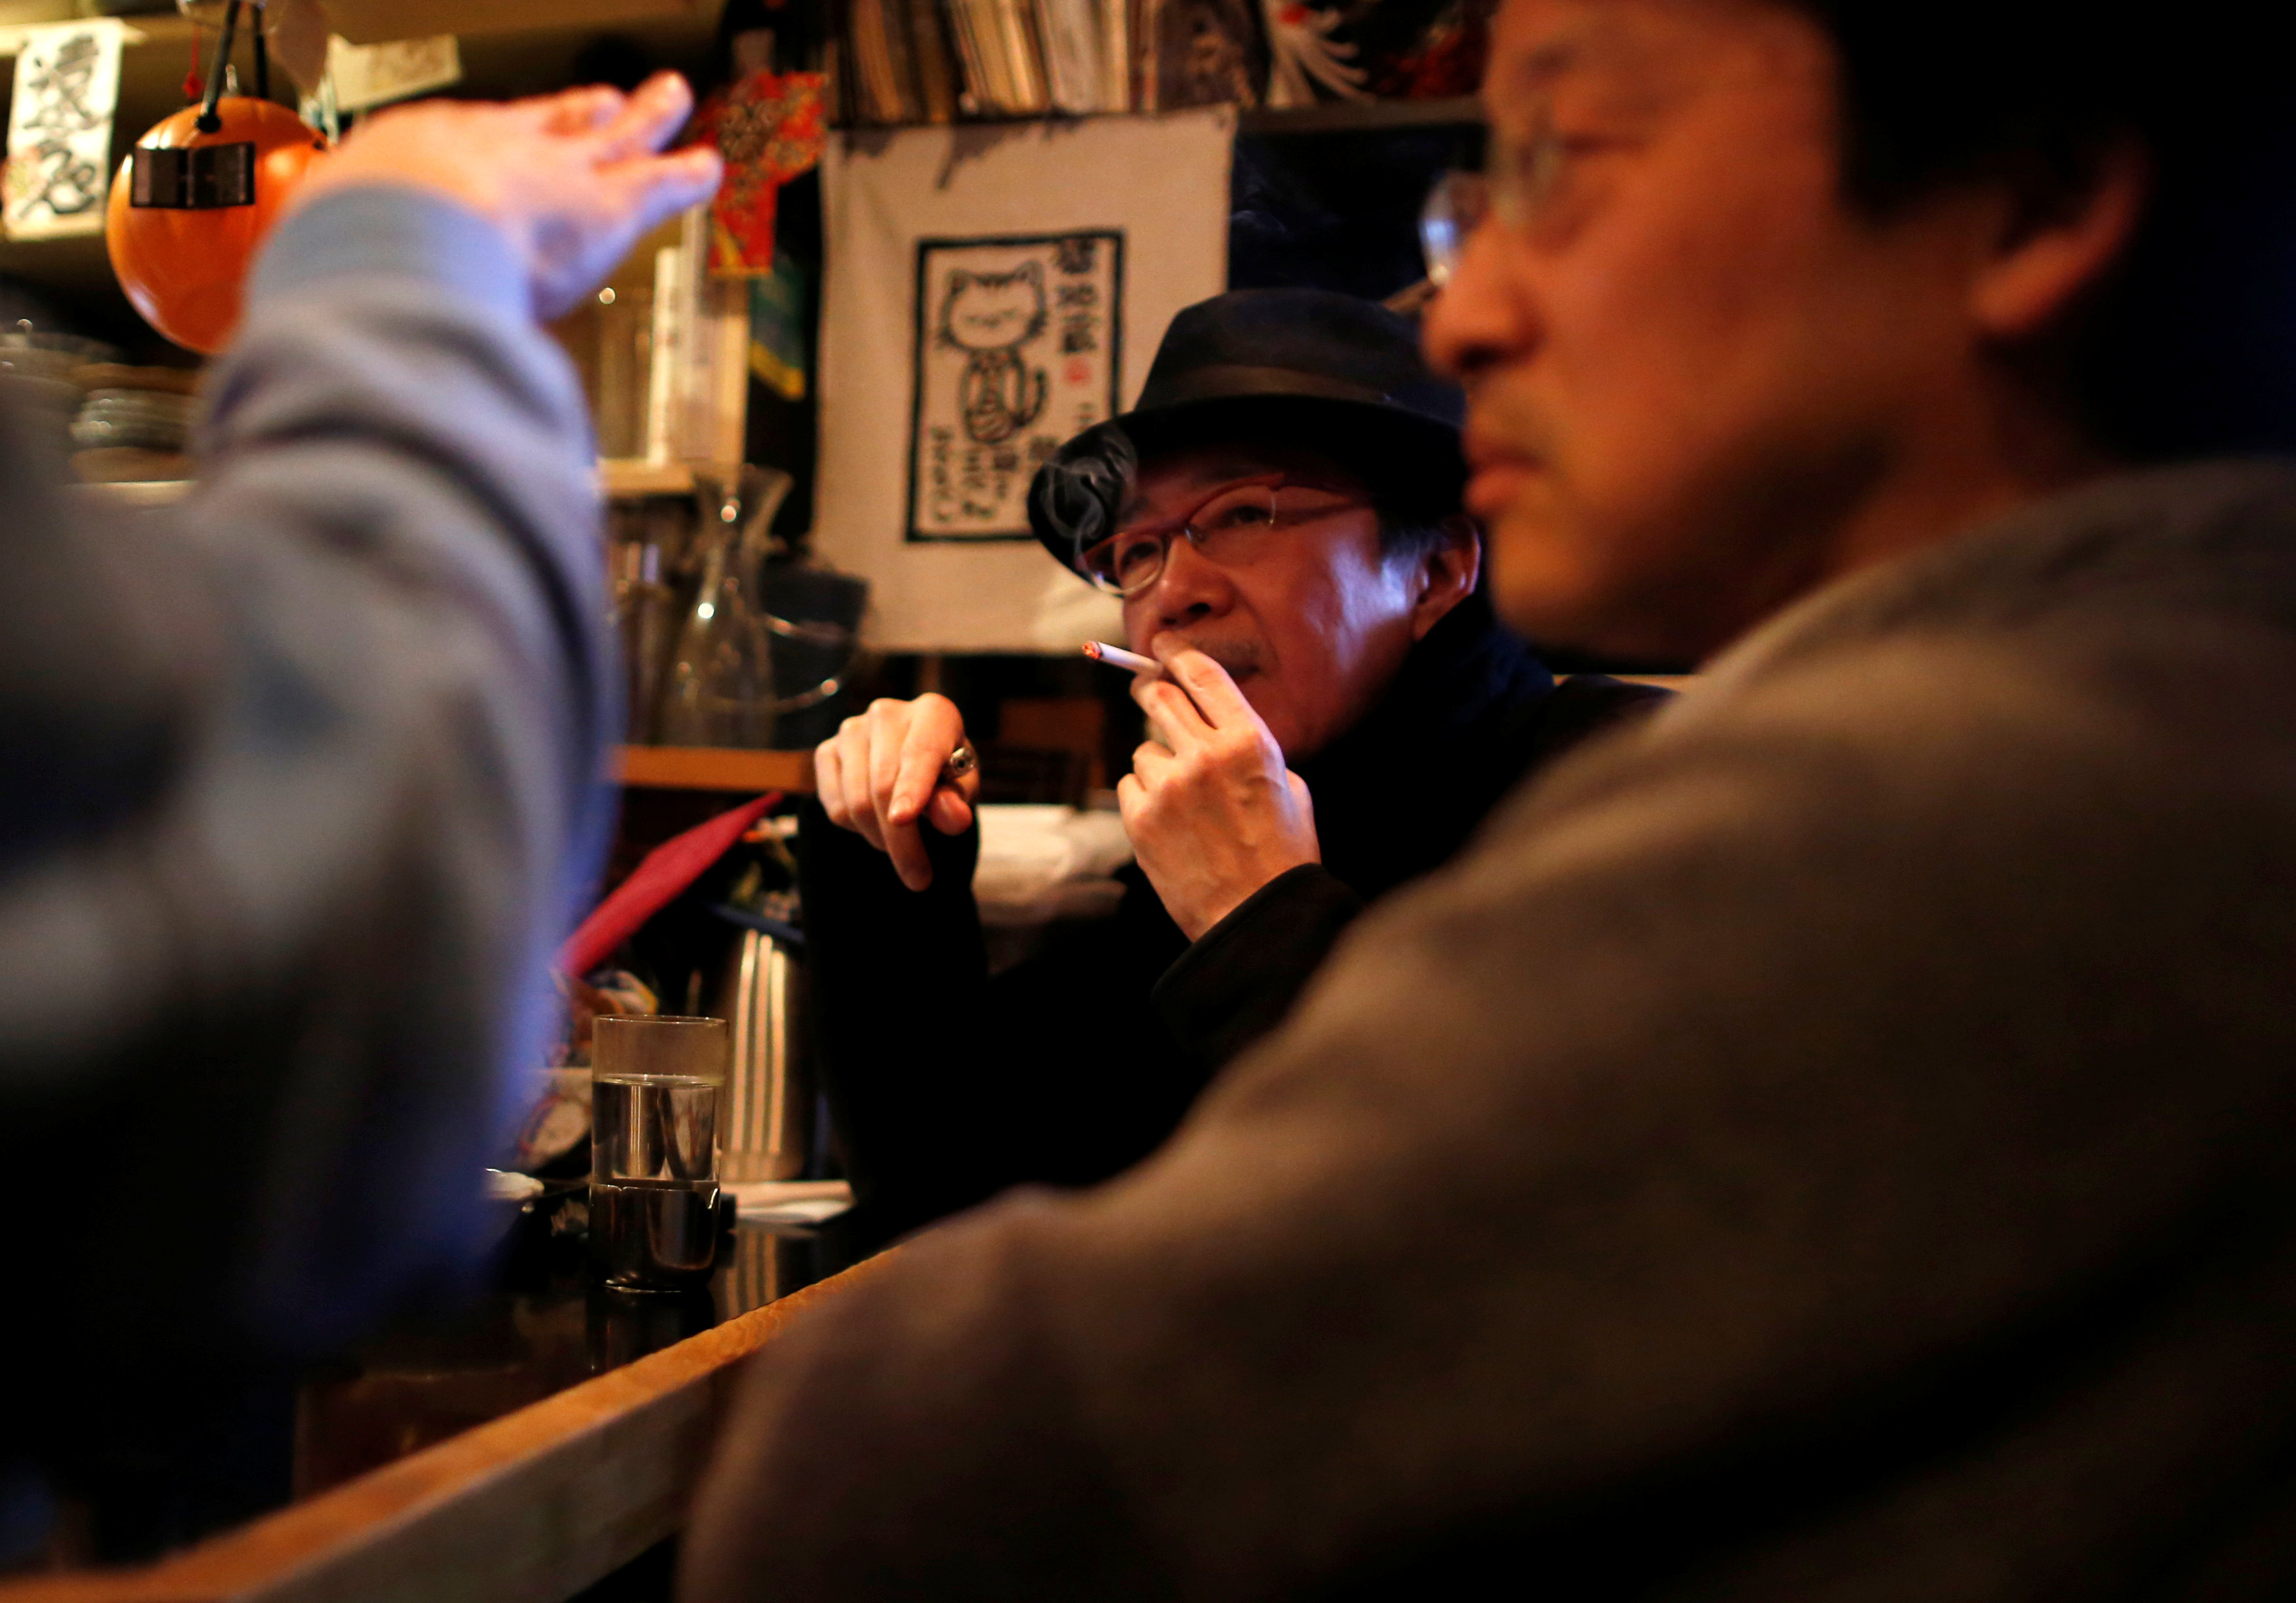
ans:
(571, 180)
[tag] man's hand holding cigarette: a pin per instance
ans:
(1212, 812)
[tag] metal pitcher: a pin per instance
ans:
(766, 1125)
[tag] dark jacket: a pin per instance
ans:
(948, 1086)
(1836, 1142)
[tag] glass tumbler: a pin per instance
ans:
(655, 1084)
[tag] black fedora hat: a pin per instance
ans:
(1308, 367)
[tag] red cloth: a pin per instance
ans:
(668, 870)
(769, 128)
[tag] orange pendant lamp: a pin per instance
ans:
(195, 197)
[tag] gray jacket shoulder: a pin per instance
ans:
(1769, 1082)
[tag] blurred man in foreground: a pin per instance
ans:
(1836, 1144)
(301, 775)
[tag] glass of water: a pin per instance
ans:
(654, 1089)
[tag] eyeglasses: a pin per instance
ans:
(1231, 526)
(1518, 178)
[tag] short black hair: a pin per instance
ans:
(1401, 540)
(2189, 346)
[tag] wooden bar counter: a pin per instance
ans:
(530, 1507)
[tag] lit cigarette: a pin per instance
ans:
(1117, 657)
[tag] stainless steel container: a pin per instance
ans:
(656, 1088)
(767, 1124)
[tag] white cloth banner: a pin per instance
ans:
(991, 292)
(59, 170)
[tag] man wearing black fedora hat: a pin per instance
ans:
(1280, 514)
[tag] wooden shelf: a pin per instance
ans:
(1350, 116)
(138, 492)
(710, 768)
(627, 478)
(620, 480)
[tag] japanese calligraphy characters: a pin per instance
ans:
(1018, 346)
(60, 129)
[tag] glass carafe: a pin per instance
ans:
(719, 691)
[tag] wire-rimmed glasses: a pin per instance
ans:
(1454, 209)
(1228, 527)
(1519, 175)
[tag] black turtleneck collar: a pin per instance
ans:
(1400, 792)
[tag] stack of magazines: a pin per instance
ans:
(935, 61)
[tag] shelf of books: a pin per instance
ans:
(1293, 68)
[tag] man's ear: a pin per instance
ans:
(2048, 254)
(1446, 572)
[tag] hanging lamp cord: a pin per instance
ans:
(209, 122)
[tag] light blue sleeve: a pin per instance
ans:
(303, 788)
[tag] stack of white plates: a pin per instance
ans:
(135, 422)
(146, 420)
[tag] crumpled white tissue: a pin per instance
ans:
(1040, 862)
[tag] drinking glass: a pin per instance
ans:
(654, 1089)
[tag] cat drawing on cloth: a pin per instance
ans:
(990, 316)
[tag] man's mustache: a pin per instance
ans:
(1238, 657)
